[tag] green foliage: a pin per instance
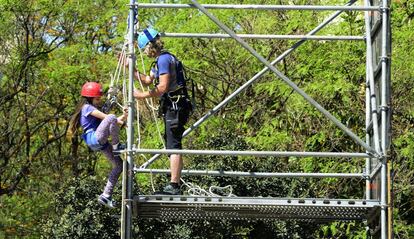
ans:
(403, 111)
(342, 230)
(19, 214)
(78, 215)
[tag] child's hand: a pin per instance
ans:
(122, 119)
(125, 112)
(112, 90)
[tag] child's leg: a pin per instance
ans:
(115, 172)
(108, 127)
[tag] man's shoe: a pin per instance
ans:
(106, 201)
(169, 190)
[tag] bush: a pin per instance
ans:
(78, 213)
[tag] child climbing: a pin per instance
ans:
(97, 128)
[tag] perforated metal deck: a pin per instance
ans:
(242, 208)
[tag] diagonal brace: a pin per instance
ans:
(286, 79)
(252, 80)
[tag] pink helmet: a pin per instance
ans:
(91, 89)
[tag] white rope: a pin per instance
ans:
(114, 89)
(138, 127)
(150, 102)
(152, 181)
(195, 190)
(113, 86)
(229, 188)
(124, 83)
(121, 67)
(115, 77)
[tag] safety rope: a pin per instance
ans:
(121, 67)
(114, 89)
(150, 101)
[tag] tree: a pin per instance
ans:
(79, 214)
(43, 44)
(25, 138)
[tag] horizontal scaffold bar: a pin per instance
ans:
(255, 153)
(254, 174)
(262, 36)
(262, 7)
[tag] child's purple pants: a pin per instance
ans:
(109, 127)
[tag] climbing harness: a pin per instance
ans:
(182, 79)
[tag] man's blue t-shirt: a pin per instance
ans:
(166, 65)
(88, 121)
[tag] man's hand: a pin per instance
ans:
(139, 94)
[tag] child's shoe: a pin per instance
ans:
(118, 148)
(106, 201)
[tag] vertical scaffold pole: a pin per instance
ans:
(368, 116)
(386, 231)
(368, 111)
(127, 175)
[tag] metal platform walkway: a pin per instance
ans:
(246, 208)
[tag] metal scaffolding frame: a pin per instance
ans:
(378, 119)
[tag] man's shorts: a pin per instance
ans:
(174, 126)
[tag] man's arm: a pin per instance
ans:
(146, 80)
(159, 90)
